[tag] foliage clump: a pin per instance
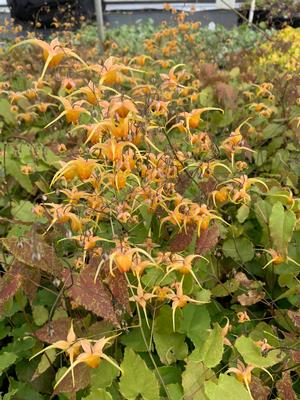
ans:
(150, 223)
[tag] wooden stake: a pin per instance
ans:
(251, 13)
(100, 20)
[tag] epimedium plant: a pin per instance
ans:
(149, 225)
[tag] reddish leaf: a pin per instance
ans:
(82, 375)
(182, 240)
(295, 354)
(54, 331)
(258, 390)
(284, 387)
(207, 186)
(295, 317)
(226, 94)
(9, 285)
(184, 181)
(119, 289)
(207, 240)
(35, 253)
(30, 279)
(99, 329)
(117, 285)
(92, 296)
(243, 279)
(250, 298)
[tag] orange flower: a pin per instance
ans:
(71, 346)
(26, 169)
(72, 111)
(243, 373)
(183, 265)
(112, 150)
(63, 214)
(110, 72)
(122, 107)
(180, 300)
(91, 355)
(141, 299)
(68, 85)
(80, 167)
(53, 53)
(193, 118)
(243, 317)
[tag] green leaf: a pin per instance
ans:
(22, 210)
(234, 73)
(170, 374)
(273, 130)
(243, 213)
(240, 249)
(163, 321)
(193, 379)
(262, 331)
(10, 395)
(263, 211)
(25, 391)
(134, 339)
(174, 391)
(13, 168)
(212, 350)
(146, 215)
(98, 394)
(5, 112)
(195, 323)
(227, 387)
(47, 359)
(4, 329)
(260, 157)
(104, 375)
(170, 347)
(206, 97)
(6, 360)
(137, 379)
(281, 224)
(251, 353)
(39, 314)
(226, 288)
(203, 295)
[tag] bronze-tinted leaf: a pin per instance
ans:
(250, 298)
(295, 317)
(284, 387)
(226, 94)
(207, 187)
(82, 375)
(9, 285)
(53, 331)
(183, 183)
(182, 240)
(118, 286)
(295, 354)
(92, 296)
(242, 279)
(207, 240)
(258, 390)
(30, 278)
(100, 329)
(35, 252)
